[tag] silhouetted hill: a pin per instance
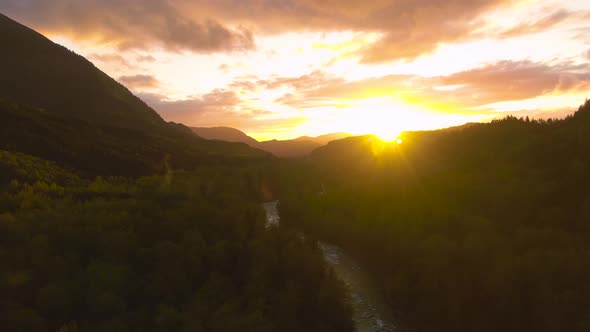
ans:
(57, 105)
(348, 143)
(512, 140)
(301, 146)
(289, 148)
(483, 227)
(227, 134)
(325, 139)
(298, 147)
(107, 150)
(40, 73)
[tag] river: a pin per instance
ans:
(371, 313)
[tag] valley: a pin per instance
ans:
(472, 216)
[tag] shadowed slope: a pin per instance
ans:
(298, 147)
(57, 105)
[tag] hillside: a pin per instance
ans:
(57, 105)
(40, 73)
(479, 228)
(324, 139)
(227, 134)
(174, 241)
(97, 149)
(298, 147)
(289, 148)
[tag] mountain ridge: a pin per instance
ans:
(292, 148)
(83, 90)
(57, 105)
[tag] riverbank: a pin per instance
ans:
(371, 313)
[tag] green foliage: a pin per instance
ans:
(183, 252)
(479, 228)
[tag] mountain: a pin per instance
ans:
(289, 148)
(350, 148)
(324, 139)
(183, 250)
(500, 210)
(227, 134)
(294, 148)
(57, 105)
(40, 73)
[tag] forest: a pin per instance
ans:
(184, 251)
(113, 219)
(484, 227)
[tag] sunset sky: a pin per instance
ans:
(286, 68)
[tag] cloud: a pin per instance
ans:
(218, 108)
(129, 24)
(538, 25)
(111, 58)
(211, 107)
(145, 58)
(211, 102)
(470, 92)
(309, 81)
(409, 28)
(461, 92)
(139, 81)
(515, 80)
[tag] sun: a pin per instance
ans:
(389, 136)
(386, 117)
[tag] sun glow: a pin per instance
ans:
(297, 82)
(385, 117)
(391, 136)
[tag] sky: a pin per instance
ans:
(279, 69)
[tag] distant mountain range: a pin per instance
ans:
(57, 105)
(298, 147)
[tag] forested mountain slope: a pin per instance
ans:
(481, 228)
(42, 74)
(178, 244)
(57, 105)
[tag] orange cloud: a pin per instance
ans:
(514, 80)
(409, 28)
(305, 82)
(219, 108)
(139, 81)
(256, 89)
(129, 24)
(538, 25)
(111, 58)
(463, 91)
